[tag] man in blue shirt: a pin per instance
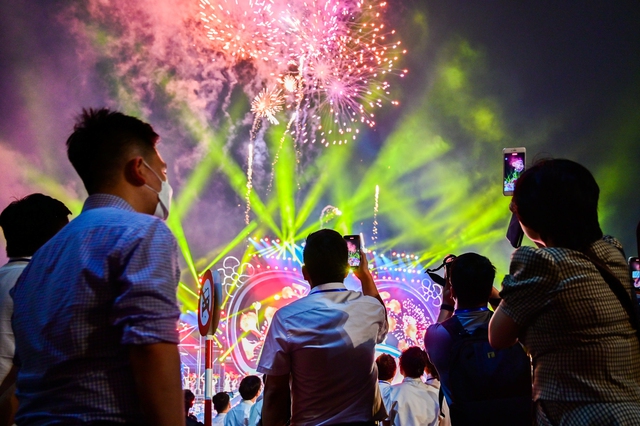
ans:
(95, 311)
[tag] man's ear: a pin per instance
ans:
(453, 293)
(133, 171)
(305, 273)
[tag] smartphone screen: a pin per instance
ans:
(353, 246)
(634, 265)
(514, 163)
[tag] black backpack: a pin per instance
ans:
(487, 386)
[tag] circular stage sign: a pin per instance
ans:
(208, 305)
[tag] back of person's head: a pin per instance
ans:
(471, 277)
(220, 401)
(250, 387)
(559, 200)
(326, 257)
(30, 222)
(101, 144)
(386, 367)
(412, 362)
(189, 397)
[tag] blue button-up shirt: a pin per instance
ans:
(105, 281)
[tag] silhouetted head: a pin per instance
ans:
(558, 199)
(386, 367)
(325, 257)
(250, 387)
(189, 398)
(412, 362)
(220, 402)
(471, 277)
(30, 222)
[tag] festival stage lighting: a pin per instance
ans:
(256, 289)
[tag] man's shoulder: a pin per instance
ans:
(116, 223)
(352, 300)
(113, 216)
(436, 333)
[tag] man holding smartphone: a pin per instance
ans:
(319, 352)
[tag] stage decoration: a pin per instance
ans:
(271, 278)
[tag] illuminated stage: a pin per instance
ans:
(270, 279)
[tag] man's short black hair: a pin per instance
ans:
(102, 142)
(326, 257)
(386, 367)
(189, 397)
(220, 401)
(559, 200)
(472, 277)
(30, 222)
(249, 387)
(412, 362)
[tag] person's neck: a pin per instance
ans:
(312, 285)
(471, 306)
(128, 194)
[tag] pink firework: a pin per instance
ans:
(343, 56)
(241, 29)
(337, 55)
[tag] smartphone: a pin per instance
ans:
(515, 232)
(514, 163)
(354, 244)
(634, 265)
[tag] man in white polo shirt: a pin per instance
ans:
(319, 352)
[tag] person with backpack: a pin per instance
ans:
(481, 385)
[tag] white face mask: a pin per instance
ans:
(164, 196)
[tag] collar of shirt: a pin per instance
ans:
(384, 381)
(96, 201)
(412, 380)
(328, 287)
(21, 259)
(465, 311)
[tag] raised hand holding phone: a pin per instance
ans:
(360, 266)
(354, 248)
(366, 279)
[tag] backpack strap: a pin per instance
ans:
(454, 328)
(457, 332)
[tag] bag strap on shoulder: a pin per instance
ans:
(628, 302)
(455, 328)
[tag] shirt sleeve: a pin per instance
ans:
(530, 286)
(146, 306)
(275, 358)
(437, 344)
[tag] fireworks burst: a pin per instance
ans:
(241, 29)
(374, 232)
(249, 183)
(267, 103)
(330, 57)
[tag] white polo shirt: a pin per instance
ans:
(9, 274)
(413, 403)
(326, 341)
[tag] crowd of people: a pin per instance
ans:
(88, 315)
